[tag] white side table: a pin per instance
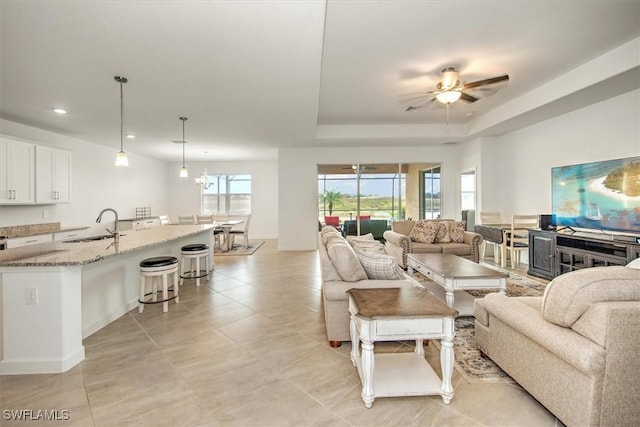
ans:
(396, 314)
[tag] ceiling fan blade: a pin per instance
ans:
(467, 97)
(418, 106)
(490, 81)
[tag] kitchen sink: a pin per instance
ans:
(91, 238)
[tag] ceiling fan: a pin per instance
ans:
(451, 89)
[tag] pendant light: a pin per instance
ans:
(183, 171)
(121, 158)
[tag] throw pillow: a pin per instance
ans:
(367, 246)
(443, 232)
(345, 261)
(424, 231)
(456, 231)
(380, 267)
(365, 237)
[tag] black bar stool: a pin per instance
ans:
(154, 268)
(194, 252)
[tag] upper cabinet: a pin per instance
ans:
(17, 173)
(53, 175)
(33, 174)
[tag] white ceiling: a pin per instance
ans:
(253, 76)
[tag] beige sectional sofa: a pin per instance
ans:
(401, 240)
(342, 269)
(576, 349)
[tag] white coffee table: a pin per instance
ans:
(395, 314)
(454, 273)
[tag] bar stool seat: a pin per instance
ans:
(154, 268)
(194, 252)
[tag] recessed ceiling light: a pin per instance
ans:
(59, 111)
(130, 136)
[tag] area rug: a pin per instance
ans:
(468, 362)
(240, 249)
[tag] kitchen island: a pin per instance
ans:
(56, 294)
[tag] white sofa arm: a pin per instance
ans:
(398, 245)
(578, 351)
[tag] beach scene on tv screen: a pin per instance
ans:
(601, 195)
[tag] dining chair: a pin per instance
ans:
(491, 218)
(244, 232)
(333, 221)
(516, 239)
(204, 219)
(186, 219)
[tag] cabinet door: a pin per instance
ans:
(44, 175)
(53, 175)
(541, 254)
(17, 170)
(62, 176)
(26, 241)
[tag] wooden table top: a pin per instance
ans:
(455, 267)
(411, 303)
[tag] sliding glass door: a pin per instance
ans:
(361, 198)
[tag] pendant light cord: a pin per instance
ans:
(121, 116)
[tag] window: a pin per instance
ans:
(228, 194)
(376, 192)
(430, 200)
(468, 190)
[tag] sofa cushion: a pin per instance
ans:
(338, 290)
(460, 249)
(380, 267)
(363, 238)
(329, 232)
(569, 295)
(402, 227)
(424, 231)
(425, 248)
(345, 261)
(371, 246)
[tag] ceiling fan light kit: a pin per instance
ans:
(451, 89)
(121, 158)
(448, 96)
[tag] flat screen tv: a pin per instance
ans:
(601, 195)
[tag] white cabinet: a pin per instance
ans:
(53, 175)
(16, 172)
(17, 242)
(69, 235)
(138, 224)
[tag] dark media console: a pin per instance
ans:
(553, 253)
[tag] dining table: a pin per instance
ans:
(226, 227)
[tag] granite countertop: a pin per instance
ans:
(80, 253)
(37, 229)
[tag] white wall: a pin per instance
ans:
(603, 131)
(185, 194)
(96, 183)
(298, 183)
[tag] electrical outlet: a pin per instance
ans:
(32, 296)
(45, 214)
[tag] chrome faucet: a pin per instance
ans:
(114, 233)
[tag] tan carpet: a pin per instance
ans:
(240, 249)
(468, 361)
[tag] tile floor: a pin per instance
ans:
(247, 348)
